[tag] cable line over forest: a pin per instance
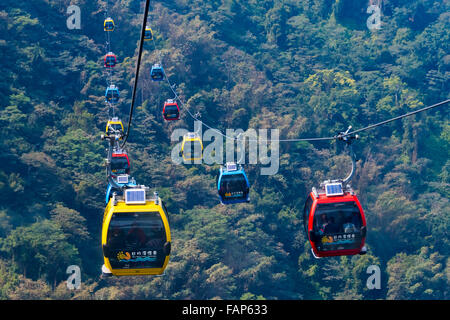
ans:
(138, 66)
(136, 236)
(195, 117)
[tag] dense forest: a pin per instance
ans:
(307, 68)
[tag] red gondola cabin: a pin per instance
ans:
(110, 60)
(334, 221)
(120, 163)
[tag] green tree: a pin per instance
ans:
(420, 276)
(40, 251)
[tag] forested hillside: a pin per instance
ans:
(309, 68)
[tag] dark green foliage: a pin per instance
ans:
(40, 250)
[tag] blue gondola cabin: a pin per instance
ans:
(233, 185)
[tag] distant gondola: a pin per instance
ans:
(148, 34)
(191, 147)
(117, 185)
(157, 72)
(110, 60)
(108, 24)
(112, 94)
(171, 111)
(233, 185)
(114, 127)
(119, 163)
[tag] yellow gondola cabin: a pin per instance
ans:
(108, 24)
(114, 126)
(148, 34)
(192, 147)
